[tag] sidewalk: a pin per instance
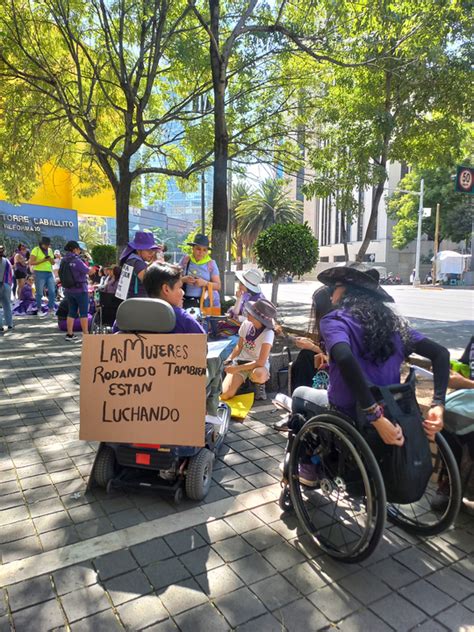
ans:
(135, 561)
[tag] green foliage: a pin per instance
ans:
(90, 231)
(104, 254)
(287, 249)
(455, 215)
(269, 205)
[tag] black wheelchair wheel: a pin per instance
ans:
(199, 475)
(426, 517)
(96, 324)
(344, 509)
(105, 466)
(284, 501)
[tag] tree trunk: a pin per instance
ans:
(344, 235)
(220, 210)
(276, 282)
(372, 219)
(122, 207)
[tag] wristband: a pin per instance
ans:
(373, 413)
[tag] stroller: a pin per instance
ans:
(167, 469)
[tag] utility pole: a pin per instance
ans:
(435, 248)
(418, 236)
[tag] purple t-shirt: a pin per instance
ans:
(185, 323)
(339, 326)
(136, 289)
(80, 273)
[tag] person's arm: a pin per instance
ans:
(457, 381)
(306, 343)
(34, 261)
(354, 378)
(235, 351)
(215, 282)
(439, 357)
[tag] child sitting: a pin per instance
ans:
(248, 290)
(27, 301)
(250, 358)
(164, 280)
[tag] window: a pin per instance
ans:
(338, 258)
(324, 259)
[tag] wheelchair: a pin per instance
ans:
(168, 469)
(345, 512)
(106, 306)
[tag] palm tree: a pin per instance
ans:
(268, 205)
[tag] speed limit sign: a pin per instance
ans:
(465, 179)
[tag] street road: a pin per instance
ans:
(446, 315)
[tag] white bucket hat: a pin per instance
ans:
(250, 278)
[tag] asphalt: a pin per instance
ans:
(73, 560)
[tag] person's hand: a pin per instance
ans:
(306, 343)
(231, 369)
(201, 282)
(188, 279)
(320, 359)
(433, 422)
(390, 433)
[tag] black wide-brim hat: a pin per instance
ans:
(358, 275)
(200, 240)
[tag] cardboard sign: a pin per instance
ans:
(147, 388)
(123, 284)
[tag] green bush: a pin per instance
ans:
(286, 249)
(104, 254)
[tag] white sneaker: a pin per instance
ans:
(72, 338)
(282, 401)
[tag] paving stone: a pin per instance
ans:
(365, 620)
(93, 528)
(283, 556)
(460, 538)
(74, 577)
(215, 531)
(224, 475)
(427, 597)
(142, 612)
(201, 560)
(126, 518)
(240, 606)
(393, 573)
(219, 581)
(334, 603)
(182, 596)
(59, 538)
(465, 567)
(233, 459)
(31, 482)
(205, 618)
(45, 507)
(469, 603)
(101, 622)
(128, 586)
(237, 486)
(306, 578)
(300, 615)
(164, 626)
(268, 513)
(441, 550)
(4, 624)
(265, 623)
(10, 501)
(275, 592)
(114, 564)
(243, 522)
(16, 531)
(151, 551)
(46, 616)
(365, 586)
(52, 521)
(16, 514)
(9, 487)
(31, 592)
(233, 548)
(241, 446)
(216, 493)
(262, 538)
(84, 602)
(398, 612)
(457, 618)
(261, 480)
(246, 469)
(166, 572)
(417, 561)
(19, 549)
(184, 541)
(452, 583)
(253, 568)
(86, 512)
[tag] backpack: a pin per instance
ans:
(65, 274)
(406, 470)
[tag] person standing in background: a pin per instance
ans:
(41, 262)
(6, 278)
(20, 268)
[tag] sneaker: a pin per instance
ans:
(11, 327)
(282, 425)
(72, 338)
(260, 392)
(52, 313)
(308, 475)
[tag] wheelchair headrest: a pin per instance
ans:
(146, 314)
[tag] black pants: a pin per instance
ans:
(302, 369)
(191, 301)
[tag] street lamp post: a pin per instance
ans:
(416, 280)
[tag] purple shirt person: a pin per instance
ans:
(138, 254)
(74, 269)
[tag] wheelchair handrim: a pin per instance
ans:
(365, 537)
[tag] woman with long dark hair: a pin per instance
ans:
(367, 342)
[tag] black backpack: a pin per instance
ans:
(65, 274)
(405, 470)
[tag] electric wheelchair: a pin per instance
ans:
(344, 512)
(168, 469)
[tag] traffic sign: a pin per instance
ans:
(465, 180)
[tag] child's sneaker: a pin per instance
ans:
(260, 392)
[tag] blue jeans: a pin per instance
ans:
(42, 279)
(6, 304)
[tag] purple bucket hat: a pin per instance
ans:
(141, 241)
